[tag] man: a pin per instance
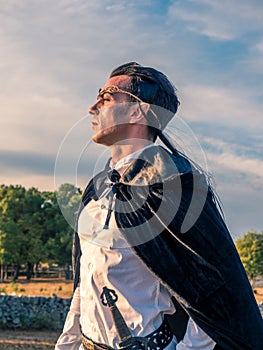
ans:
(150, 240)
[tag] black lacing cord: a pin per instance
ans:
(114, 178)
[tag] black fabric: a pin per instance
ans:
(200, 267)
(178, 321)
(157, 340)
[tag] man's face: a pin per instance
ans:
(110, 117)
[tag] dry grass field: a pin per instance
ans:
(259, 294)
(38, 287)
(43, 340)
(60, 287)
(27, 340)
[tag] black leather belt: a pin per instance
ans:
(157, 340)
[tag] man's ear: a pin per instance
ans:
(138, 111)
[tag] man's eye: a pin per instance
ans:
(106, 99)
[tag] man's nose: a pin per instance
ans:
(94, 108)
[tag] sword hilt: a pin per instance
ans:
(108, 297)
(127, 342)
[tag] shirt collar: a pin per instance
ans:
(125, 161)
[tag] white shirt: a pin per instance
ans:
(107, 261)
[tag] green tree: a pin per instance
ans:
(37, 226)
(20, 227)
(250, 249)
(62, 207)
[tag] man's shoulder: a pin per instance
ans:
(156, 164)
(94, 186)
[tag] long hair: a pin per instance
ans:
(153, 87)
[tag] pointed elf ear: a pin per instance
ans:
(138, 112)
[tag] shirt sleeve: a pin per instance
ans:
(70, 338)
(195, 339)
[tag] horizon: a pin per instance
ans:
(55, 57)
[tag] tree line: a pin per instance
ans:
(33, 229)
(250, 249)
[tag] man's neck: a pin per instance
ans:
(119, 151)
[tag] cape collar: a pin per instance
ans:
(154, 165)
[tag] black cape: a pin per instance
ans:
(178, 232)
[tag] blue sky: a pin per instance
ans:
(56, 55)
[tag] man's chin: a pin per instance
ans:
(96, 139)
(108, 138)
(100, 139)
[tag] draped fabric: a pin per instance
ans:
(179, 234)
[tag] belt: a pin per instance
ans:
(157, 340)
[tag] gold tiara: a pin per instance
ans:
(114, 89)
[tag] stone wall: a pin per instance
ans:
(33, 312)
(36, 312)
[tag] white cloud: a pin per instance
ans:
(239, 183)
(259, 47)
(35, 122)
(55, 55)
(232, 106)
(223, 20)
(255, 59)
(42, 182)
(230, 158)
(242, 204)
(238, 164)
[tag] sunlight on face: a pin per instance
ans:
(110, 117)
